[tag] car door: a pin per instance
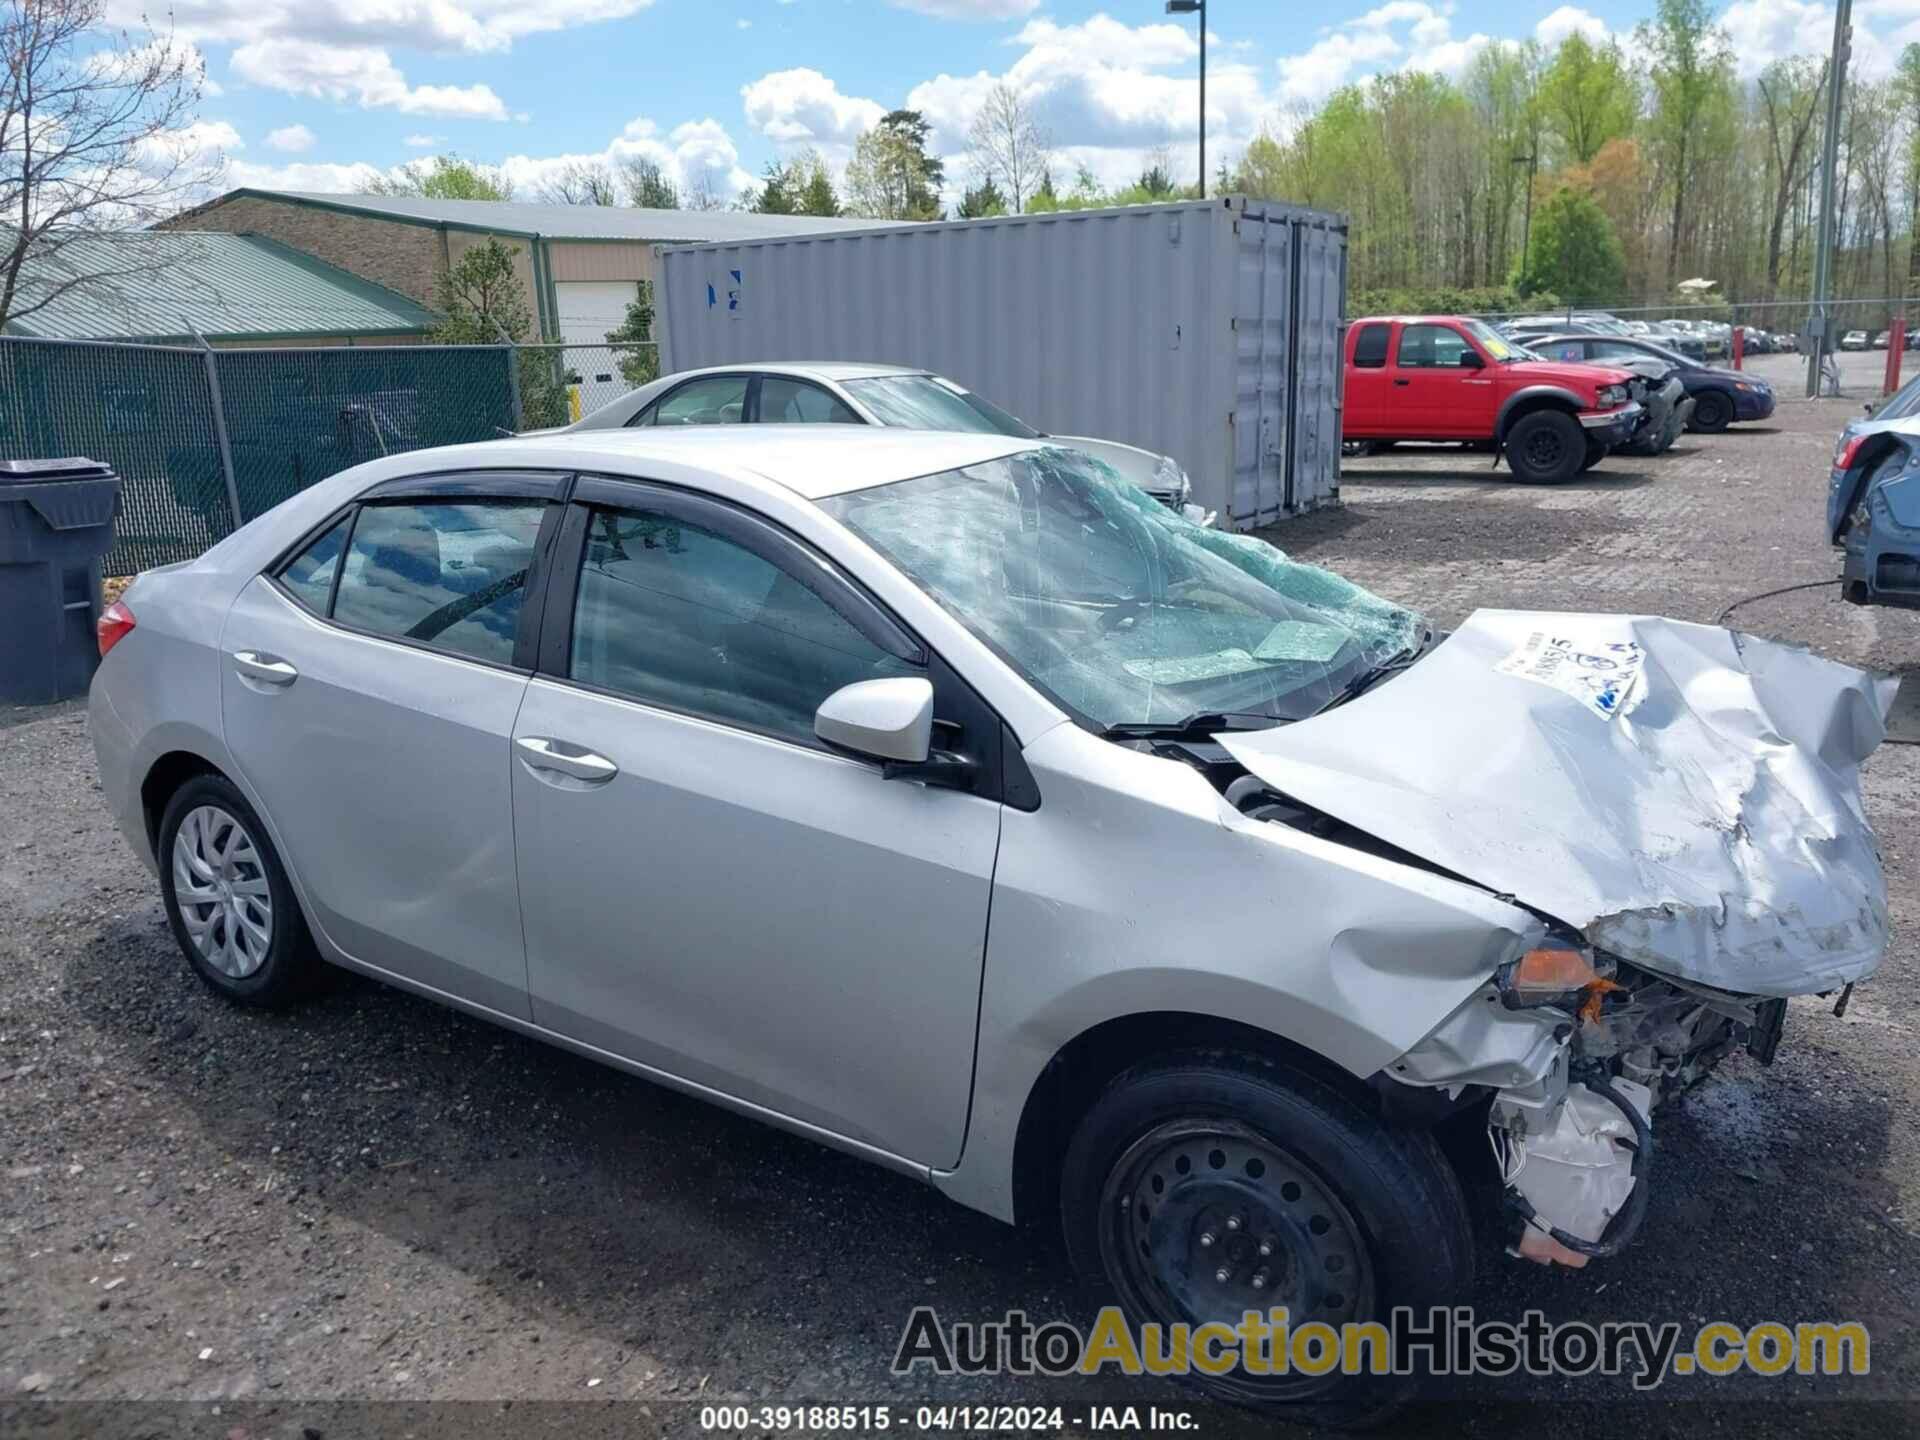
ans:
(1365, 404)
(368, 689)
(709, 891)
(1441, 385)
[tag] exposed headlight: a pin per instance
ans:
(1168, 476)
(1743, 385)
(1613, 394)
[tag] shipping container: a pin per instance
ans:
(1208, 330)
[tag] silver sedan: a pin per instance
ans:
(949, 801)
(845, 393)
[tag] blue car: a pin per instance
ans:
(1873, 503)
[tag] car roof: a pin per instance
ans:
(812, 461)
(1408, 320)
(818, 369)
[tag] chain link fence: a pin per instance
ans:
(205, 440)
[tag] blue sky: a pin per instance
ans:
(321, 94)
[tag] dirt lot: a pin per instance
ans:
(284, 1218)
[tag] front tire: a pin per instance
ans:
(1546, 447)
(1596, 452)
(1203, 1185)
(228, 899)
(1712, 413)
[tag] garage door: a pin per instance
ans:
(588, 309)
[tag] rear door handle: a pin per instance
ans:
(264, 669)
(557, 757)
(1403, 382)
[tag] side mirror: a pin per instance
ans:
(1470, 360)
(888, 720)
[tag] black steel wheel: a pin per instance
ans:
(1202, 1186)
(1712, 412)
(1546, 447)
(1207, 1219)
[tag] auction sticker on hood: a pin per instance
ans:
(1599, 673)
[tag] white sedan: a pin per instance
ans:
(845, 393)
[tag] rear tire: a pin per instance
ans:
(1547, 447)
(228, 899)
(1187, 1165)
(1712, 413)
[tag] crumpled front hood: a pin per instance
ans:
(1687, 797)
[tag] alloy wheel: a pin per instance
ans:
(221, 887)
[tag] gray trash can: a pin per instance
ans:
(56, 521)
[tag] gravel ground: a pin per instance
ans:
(284, 1218)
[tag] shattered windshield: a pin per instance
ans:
(933, 402)
(1123, 611)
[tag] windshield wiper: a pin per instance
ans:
(1374, 674)
(1201, 722)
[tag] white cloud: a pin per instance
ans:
(692, 155)
(965, 9)
(202, 144)
(1763, 31)
(439, 26)
(350, 179)
(423, 142)
(1403, 34)
(743, 24)
(294, 139)
(1570, 20)
(363, 74)
(804, 107)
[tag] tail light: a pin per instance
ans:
(1844, 460)
(114, 625)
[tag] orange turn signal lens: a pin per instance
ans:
(1554, 969)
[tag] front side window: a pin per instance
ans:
(677, 616)
(932, 402)
(715, 400)
(450, 575)
(309, 575)
(1123, 611)
(786, 401)
(1370, 347)
(1431, 347)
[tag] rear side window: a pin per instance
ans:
(677, 616)
(1370, 347)
(448, 574)
(308, 577)
(712, 400)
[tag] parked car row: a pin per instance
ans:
(1553, 405)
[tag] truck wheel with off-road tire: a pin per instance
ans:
(1205, 1184)
(1596, 452)
(1546, 447)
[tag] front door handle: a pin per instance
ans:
(557, 757)
(1403, 382)
(264, 669)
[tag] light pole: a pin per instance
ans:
(1198, 7)
(1532, 162)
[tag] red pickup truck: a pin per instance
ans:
(1442, 377)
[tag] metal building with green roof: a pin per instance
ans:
(232, 289)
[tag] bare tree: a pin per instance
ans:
(1009, 146)
(581, 182)
(95, 136)
(647, 186)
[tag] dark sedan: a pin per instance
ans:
(1720, 396)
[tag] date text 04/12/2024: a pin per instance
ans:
(1007, 1419)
